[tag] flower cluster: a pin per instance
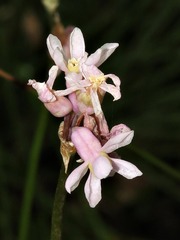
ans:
(84, 128)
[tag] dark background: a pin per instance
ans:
(147, 62)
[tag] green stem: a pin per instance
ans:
(59, 200)
(157, 162)
(31, 175)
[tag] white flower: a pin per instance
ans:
(77, 52)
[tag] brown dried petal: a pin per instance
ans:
(67, 148)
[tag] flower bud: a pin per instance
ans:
(59, 108)
(50, 5)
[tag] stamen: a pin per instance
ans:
(73, 65)
(97, 80)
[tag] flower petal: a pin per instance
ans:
(101, 167)
(59, 108)
(101, 54)
(52, 43)
(126, 169)
(44, 94)
(67, 91)
(92, 190)
(120, 140)
(102, 124)
(59, 59)
(53, 72)
(117, 129)
(75, 177)
(89, 71)
(86, 144)
(114, 91)
(74, 83)
(77, 45)
(95, 102)
(114, 78)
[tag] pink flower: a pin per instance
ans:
(58, 106)
(91, 89)
(77, 52)
(98, 86)
(95, 158)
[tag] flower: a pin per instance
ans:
(85, 129)
(59, 106)
(98, 86)
(85, 83)
(78, 55)
(77, 51)
(91, 89)
(95, 158)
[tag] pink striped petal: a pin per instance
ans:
(86, 144)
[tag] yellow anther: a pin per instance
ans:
(97, 80)
(73, 65)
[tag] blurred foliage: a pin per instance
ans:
(147, 61)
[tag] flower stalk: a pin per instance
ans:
(59, 200)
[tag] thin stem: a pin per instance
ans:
(31, 175)
(59, 200)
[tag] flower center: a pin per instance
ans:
(73, 65)
(97, 80)
(84, 97)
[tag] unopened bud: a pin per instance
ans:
(50, 5)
